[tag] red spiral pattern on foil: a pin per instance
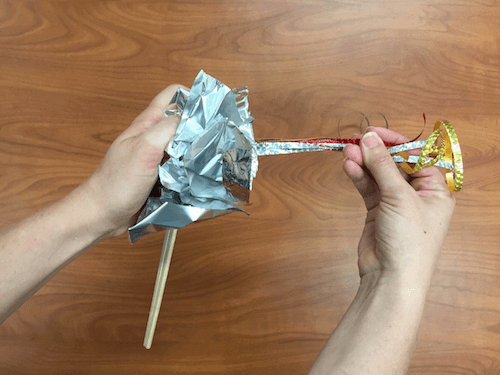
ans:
(354, 141)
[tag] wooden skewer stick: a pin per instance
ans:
(161, 280)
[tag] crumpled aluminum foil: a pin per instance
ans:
(213, 160)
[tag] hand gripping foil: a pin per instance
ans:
(213, 160)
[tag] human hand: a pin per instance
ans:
(119, 188)
(408, 216)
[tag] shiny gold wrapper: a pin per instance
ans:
(449, 151)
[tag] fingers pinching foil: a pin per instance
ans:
(172, 112)
(213, 159)
(213, 156)
(447, 155)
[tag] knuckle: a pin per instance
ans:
(447, 196)
(147, 141)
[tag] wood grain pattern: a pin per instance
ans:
(258, 294)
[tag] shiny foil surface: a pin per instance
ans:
(448, 155)
(213, 159)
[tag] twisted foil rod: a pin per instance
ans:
(446, 155)
(277, 148)
(216, 131)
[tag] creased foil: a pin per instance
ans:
(213, 159)
(282, 148)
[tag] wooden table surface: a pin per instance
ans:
(256, 294)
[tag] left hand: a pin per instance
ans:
(119, 188)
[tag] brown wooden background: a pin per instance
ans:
(258, 294)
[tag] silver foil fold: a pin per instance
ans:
(213, 160)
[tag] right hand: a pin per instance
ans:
(408, 216)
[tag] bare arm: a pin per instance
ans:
(405, 228)
(378, 333)
(104, 206)
(34, 250)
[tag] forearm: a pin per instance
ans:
(378, 334)
(34, 250)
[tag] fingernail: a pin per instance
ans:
(371, 139)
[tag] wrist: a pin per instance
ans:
(87, 215)
(399, 286)
(379, 331)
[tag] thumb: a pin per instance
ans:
(380, 164)
(162, 132)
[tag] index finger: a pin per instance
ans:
(154, 113)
